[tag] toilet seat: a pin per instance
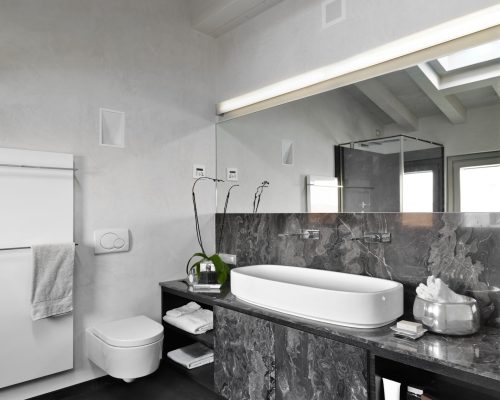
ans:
(129, 332)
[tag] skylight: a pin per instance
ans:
(475, 55)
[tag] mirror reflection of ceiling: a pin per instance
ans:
(452, 101)
(448, 86)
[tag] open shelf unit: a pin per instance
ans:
(176, 338)
(206, 338)
(437, 385)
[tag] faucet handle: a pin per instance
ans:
(302, 234)
(310, 234)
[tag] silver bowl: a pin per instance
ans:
(448, 318)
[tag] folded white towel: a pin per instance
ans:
(185, 309)
(197, 322)
(438, 291)
(52, 284)
(192, 356)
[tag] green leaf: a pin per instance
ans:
(221, 268)
(197, 264)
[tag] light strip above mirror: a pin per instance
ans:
(438, 35)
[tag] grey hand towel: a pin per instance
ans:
(52, 286)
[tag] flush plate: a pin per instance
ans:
(111, 240)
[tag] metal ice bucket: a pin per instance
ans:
(448, 318)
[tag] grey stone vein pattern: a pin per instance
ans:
(477, 355)
(313, 367)
(461, 248)
(244, 365)
(254, 238)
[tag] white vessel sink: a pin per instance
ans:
(333, 297)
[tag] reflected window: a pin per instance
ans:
(418, 191)
(480, 188)
(322, 194)
(474, 182)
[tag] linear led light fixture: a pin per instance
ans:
(448, 31)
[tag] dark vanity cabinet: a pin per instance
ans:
(314, 367)
(262, 355)
(244, 362)
(257, 359)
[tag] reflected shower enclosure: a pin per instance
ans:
(392, 174)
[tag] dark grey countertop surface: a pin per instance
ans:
(475, 357)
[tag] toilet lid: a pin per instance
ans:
(129, 332)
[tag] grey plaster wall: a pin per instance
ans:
(61, 60)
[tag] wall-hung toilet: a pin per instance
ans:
(126, 349)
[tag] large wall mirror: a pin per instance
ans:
(422, 139)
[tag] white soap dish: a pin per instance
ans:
(407, 334)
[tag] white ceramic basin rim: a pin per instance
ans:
(326, 296)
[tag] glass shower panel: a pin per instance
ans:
(423, 176)
(392, 174)
(370, 173)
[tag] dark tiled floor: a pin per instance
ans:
(168, 383)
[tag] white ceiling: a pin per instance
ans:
(216, 17)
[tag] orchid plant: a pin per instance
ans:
(221, 268)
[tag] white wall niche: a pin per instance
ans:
(287, 152)
(333, 12)
(111, 128)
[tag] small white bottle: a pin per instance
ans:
(392, 389)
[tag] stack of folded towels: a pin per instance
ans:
(190, 318)
(192, 356)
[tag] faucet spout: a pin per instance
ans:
(302, 234)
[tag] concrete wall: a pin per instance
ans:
(60, 61)
(289, 39)
(253, 145)
(481, 131)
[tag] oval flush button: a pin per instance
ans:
(108, 240)
(111, 240)
(383, 298)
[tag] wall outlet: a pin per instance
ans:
(228, 258)
(199, 171)
(232, 174)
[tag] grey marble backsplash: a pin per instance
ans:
(461, 248)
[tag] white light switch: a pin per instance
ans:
(111, 240)
(199, 171)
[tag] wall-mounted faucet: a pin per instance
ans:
(302, 234)
(384, 237)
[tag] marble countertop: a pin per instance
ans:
(472, 357)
